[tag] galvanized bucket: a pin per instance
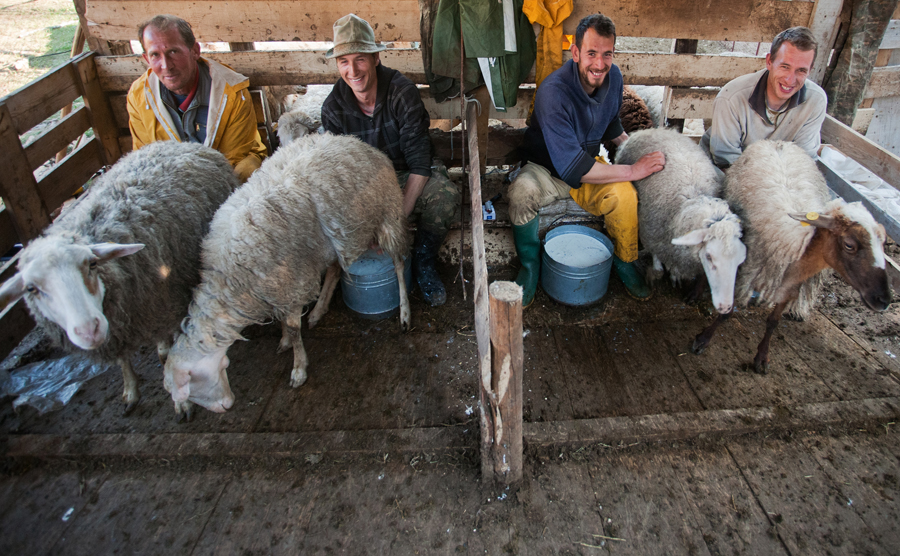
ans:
(369, 287)
(576, 262)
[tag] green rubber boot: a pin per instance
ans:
(632, 279)
(528, 247)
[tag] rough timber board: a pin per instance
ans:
(809, 513)
(255, 20)
(33, 503)
(684, 19)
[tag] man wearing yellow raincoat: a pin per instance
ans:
(186, 97)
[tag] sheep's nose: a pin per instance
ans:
(90, 331)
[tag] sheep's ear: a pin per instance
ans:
(691, 238)
(11, 291)
(814, 219)
(109, 251)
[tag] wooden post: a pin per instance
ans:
(824, 23)
(18, 187)
(681, 46)
(102, 119)
(847, 85)
(480, 295)
(506, 380)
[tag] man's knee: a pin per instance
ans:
(626, 199)
(524, 200)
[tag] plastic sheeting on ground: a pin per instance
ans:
(49, 385)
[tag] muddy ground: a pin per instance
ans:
(633, 445)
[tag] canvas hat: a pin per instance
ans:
(352, 34)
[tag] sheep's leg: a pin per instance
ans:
(761, 361)
(292, 329)
(286, 340)
(162, 350)
(130, 394)
(655, 272)
(399, 267)
(698, 288)
(184, 411)
(702, 340)
(331, 279)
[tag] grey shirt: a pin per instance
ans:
(739, 118)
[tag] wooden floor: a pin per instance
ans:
(633, 444)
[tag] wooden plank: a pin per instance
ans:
(8, 235)
(545, 396)
(711, 424)
(691, 103)
(73, 172)
(480, 299)
(18, 188)
(40, 99)
(863, 120)
(824, 23)
(255, 20)
(724, 509)
(891, 38)
(506, 379)
(885, 82)
(883, 130)
(130, 493)
(883, 163)
(863, 468)
(119, 105)
(787, 481)
(851, 193)
(683, 19)
(295, 67)
(102, 120)
(56, 138)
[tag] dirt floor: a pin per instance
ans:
(633, 445)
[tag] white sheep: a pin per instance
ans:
(303, 114)
(683, 223)
(155, 204)
(793, 232)
(318, 203)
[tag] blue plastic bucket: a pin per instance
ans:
(369, 287)
(576, 262)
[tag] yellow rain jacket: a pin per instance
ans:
(550, 14)
(231, 124)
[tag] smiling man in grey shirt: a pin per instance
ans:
(775, 103)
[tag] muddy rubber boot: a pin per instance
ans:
(424, 255)
(632, 279)
(528, 248)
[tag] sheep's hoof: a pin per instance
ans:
(129, 408)
(699, 346)
(314, 319)
(184, 412)
(298, 378)
(761, 367)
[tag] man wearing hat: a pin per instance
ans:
(383, 108)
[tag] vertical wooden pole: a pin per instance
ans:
(482, 315)
(682, 46)
(18, 187)
(102, 119)
(506, 380)
(824, 23)
(483, 97)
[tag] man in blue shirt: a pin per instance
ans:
(575, 109)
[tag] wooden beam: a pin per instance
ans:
(256, 20)
(70, 174)
(824, 23)
(891, 38)
(56, 138)
(299, 67)
(506, 380)
(40, 99)
(885, 82)
(480, 295)
(883, 163)
(757, 21)
(691, 103)
(17, 184)
(851, 193)
(8, 235)
(102, 119)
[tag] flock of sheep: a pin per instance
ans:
(166, 248)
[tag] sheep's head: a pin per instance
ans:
(60, 280)
(721, 253)
(194, 373)
(854, 248)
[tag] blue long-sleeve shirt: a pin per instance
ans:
(568, 126)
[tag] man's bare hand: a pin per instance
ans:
(648, 164)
